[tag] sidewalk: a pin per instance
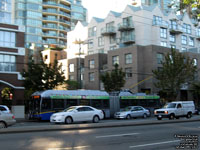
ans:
(60, 127)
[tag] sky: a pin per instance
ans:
(101, 8)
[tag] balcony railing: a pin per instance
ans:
(50, 19)
(65, 21)
(177, 29)
(65, 7)
(128, 39)
(108, 31)
(126, 26)
(50, 3)
(51, 27)
(50, 34)
(65, 14)
(50, 11)
(162, 23)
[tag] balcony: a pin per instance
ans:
(50, 11)
(65, 14)
(51, 4)
(50, 19)
(65, 21)
(128, 39)
(50, 35)
(50, 27)
(108, 31)
(126, 27)
(198, 36)
(163, 24)
(176, 29)
(65, 7)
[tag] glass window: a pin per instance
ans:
(112, 39)
(159, 58)
(71, 67)
(184, 49)
(128, 58)
(7, 63)
(113, 47)
(96, 103)
(92, 31)
(58, 104)
(71, 77)
(128, 72)
(115, 60)
(101, 41)
(163, 33)
(184, 39)
(90, 43)
(91, 64)
(164, 44)
(46, 104)
(191, 41)
(172, 38)
(157, 20)
(91, 76)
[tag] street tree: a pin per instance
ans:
(72, 85)
(114, 80)
(39, 77)
(182, 5)
(177, 70)
(196, 92)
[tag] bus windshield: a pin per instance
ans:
(70, 109)
(170, 105)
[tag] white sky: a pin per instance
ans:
(101, 8)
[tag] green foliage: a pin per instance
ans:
(5, 93)
(114, 80)
(196, 92)
(72, 85)
(41, 77)
(176, 71)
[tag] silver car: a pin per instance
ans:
(132, 112)
(6, 119)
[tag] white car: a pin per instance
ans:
(6, 119)
(132, 112)
(4, 108)
(77, 114)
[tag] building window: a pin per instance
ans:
(71, 77)
(164, 44)
(115, 60)
(91, 76)
(184, 39)
(173, 25)
(159, 58)
(191, 41)
(184, 49)
(7, 39)
(101, 41)
(90, 43)
(112, 47)
(173, 46)
(187, 28)
(128, 72)
(71, 67)
(101, 50)
(198, 32)
(172, 38)
(7, 63)
(157, 20)
(112, 39)
(128, 58)
(163, 33)
(195, 62)
(92, 31)
(91, 64)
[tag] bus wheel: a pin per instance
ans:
(128, 117)
(95, 119)
(68, 120)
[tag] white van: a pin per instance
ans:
(175, 110)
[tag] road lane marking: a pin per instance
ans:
(68, 148)
(106, 136)
(154, 144)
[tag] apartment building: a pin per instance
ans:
(137, 62)
(12, 53)
(144, 25)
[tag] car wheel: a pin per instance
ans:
(145, 116)
(128, 117)
(2, 125)
(171, 117)
(189, 115)
(68, 120)
(95, 119)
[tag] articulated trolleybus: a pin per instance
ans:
(44, 104)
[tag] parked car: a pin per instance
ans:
(77, 114)
(4, 108)
(6, 119)
(175, 110)
(132, 112)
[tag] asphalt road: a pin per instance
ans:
(148, 137)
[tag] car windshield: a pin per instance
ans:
(170, 105)
(70, 109)
(127, 108)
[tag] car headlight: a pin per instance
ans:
(155, 112)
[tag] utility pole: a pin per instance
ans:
(79, 42)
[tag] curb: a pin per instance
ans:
(87, 126)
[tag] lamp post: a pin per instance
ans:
(79, 42)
